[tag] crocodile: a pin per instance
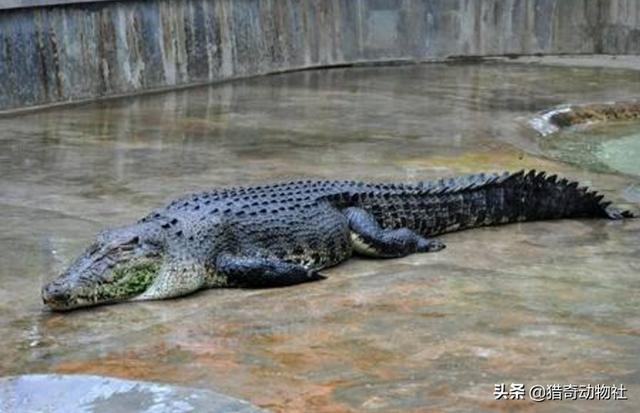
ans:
(284, 233)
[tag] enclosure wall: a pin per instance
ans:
(55, 51)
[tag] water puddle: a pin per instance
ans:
(622, 154)
(602, 148)
(58, 393)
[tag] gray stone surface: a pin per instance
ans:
(17, 4)
(621, 31)
(53, 393)
(630, 62)
(82, 51)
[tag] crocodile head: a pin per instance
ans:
(120, 265)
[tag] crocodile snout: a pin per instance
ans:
(55, 295)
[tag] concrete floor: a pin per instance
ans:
(536, 303)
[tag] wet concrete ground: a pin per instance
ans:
(535, 303)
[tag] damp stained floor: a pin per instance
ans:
(535, 303)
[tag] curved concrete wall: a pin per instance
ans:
(621, 31)
(78, 51)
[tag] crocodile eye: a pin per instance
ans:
(93, 248)
(127, 245)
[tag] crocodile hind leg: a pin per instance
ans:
(370, 239)
(260, 272)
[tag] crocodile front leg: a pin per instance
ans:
(370, 239)
(259, 272)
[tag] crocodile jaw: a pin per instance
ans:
(125, 281)
(176, 278)
(120, 265)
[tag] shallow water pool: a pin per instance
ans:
(535, 303)
(608, 147)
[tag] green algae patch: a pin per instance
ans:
(129, 280)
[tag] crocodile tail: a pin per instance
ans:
(534, 196)
(492, 199)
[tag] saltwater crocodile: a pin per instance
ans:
(283, 234)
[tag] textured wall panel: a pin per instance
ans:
(86, 50)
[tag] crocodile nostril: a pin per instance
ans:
(53, 293)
